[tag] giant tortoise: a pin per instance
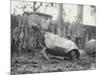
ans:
(58, 46)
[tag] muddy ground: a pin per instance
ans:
(30, 63)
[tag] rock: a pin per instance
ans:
(90, 47)
(82, 53)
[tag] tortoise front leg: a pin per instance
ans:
(45, 54)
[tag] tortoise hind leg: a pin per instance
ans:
(73, 55)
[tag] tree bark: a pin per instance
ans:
(61, 29)
(59, 19)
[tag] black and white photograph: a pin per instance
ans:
(52, 37)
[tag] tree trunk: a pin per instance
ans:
(61, 29)
(59, 19)
(34, 4)
(80, 14)
(79, 36)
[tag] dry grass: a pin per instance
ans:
(26, 64)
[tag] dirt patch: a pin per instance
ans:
(26, 64)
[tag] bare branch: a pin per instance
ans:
(47, 5)
(38, 6)
(34, 3)
(52, 4)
